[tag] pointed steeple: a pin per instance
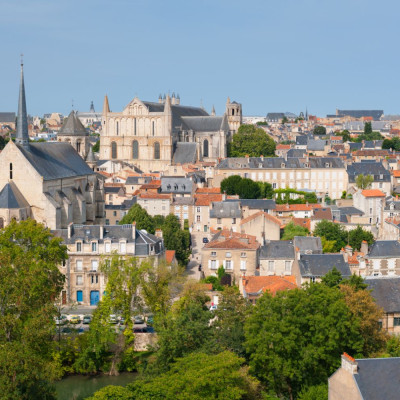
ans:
(90, 156)
(213, 111)
(228, 101)
(92, 107)
(22, 136)
(106, 107)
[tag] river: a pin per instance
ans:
(78, 387)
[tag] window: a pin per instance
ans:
(243, 254)
(78, 247)
(135, 149)
(107, 247)
(94, 247)
(242, 265)
(213, 264)
(117, 128)
(95, 265)
(107, 222)
(233, 221)
(156, 151)
(79, 280)
(113, 150)
(205, 148)
(134, 126)
(271, 266)
(78, 147)
(228, 254)
(218, 220)
(11, 171)
(122, 247)
(95, 279)
(228, 264)
(274, 185)
(213, 254)
(153, 130)
(287, 266)
(205, 228)
(198, 209)
(79, 265)
(396, 321)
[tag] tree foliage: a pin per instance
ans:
(332, 232)
(244, 187)
(140, 216)
(252, 141)
(30, 281)
(96, 147)
(364, 181)
(112, 393)
(291, 230)
(393, 144)
(358, 235)
(295, 338)
(319, 130)
(369, 134)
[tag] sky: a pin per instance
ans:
(271, 56)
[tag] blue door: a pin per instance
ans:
(79, 296)
(94, 297)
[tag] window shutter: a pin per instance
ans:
(223, 263)
(209, 264)
(232, 264)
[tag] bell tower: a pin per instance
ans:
(234, 114)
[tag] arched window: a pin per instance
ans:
(135, 150)
(205, 148)
(153, 128)
(1, 223)
(117, 128)
(134, 126)
(156, 151)
(78, 147)
(113, 150)
(11, 171)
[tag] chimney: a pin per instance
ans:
(364, 247)
(262, 158)
(101, 231)
(349, 250)
(159, 233)
(134, 230)
(70, 230)
(247, 156)
(349, 364)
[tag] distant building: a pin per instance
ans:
(89, 118)
(375, 114)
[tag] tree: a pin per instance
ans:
(328, 246)
(176, 239)
(112, 393)
(284, 120)
(200, 376)
(358, 235)
(364, 181)
(96, 147)
(319, 392)
(252, 141)
(367, 128)
(248, 189)
(393, 144)
(319, 130)
(295, 338)
(345, 134)
(291, 230)
(332, 278)
(229, 185)
(266, 190)
(332, 232)
(30, 281)
(140, 216)
(228, 326)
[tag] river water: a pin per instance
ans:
(78, 387)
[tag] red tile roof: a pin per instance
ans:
(206, 199)
(257, 284)
(233, 240)
(372, 193)
(258, 214)
(283, 147)
(154, 196)
(170, 255)
(207, 190)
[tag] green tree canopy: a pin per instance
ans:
(141, 217)
(319, 130)
(200, 376)
(96, 147)
(295, 338)
(244, 187)
(367, 128)
(230, 184)
(331, 232)
(252, 141)
(364, 181)
(393, 144)
(358, 235)
(30, 281)
(291, 230)
(112, 393)
(345, 134)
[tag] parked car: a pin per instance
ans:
(150, 320)
(75, 319)
(61, 320)
(213, 307)
(87, 319)
(139, 329)
(138, 319)
(66, 329)
(113, 319)
(122, 321)
(205, 240)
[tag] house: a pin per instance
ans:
(155, 203)
(183, 209)
(89, 245)
(312, 267)
(178, 186)
(307, 245)
(264, 226)
(365, 379)
(225, 215)
(253, 287)
(286, 211)
(382, 177)
(236, 252)
(386, 292)
(114, 193)
(371, 202)
(115, 212)
(383, 258)
(202, 206)
(276, 258)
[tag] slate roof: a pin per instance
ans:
(296, 153)
(302, 140)
(378, 378)
(258, 204)
(11, 197)
(308, 244)
(72, 126)
(203, 124)
(7, 117)
(316, 145)
(225, 209)
(134, 180)
(320, 264)
(277, 249)
(275, 116)
(185, 153)
(376, 169)
(355, 146)
(55, 160)
(386, 292)
(178, 184)
(375, 114)
(384, 249)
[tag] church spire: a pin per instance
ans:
(106, 107)
(22, 136)
(213, 111)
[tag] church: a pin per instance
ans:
(49, 182)
(154, 135)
